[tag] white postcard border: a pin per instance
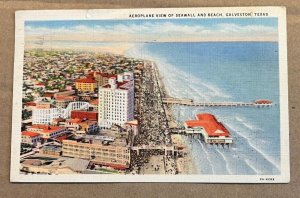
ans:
(104, 14)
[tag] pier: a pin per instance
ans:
(190, 102)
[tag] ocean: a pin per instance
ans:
(225, 71)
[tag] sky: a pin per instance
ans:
(160, 30)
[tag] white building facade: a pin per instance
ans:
(116, 101)
(45, 116)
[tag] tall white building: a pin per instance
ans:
(116, 100)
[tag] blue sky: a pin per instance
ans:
(271, 22)
(157, 29)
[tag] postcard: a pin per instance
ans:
(151, 95)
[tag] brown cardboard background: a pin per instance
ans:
(8, 189)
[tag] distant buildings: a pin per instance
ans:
(61, 101)
(209, 127)
(116, 100)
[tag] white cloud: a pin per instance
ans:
(157, 30)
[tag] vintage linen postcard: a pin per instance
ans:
(151, 95)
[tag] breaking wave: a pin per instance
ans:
(245, 155)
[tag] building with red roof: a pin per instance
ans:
(209, 127)
(47, 131)
(86, 84)
(32, 138)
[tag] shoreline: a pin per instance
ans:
(185, 165)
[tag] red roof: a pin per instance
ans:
(61, 138)
(30, 104)
(263, 102)
(94, 102)
(86, 80)
(75, 120)
(46, 128)
(210, 124)
(30, 134)
(65, 98)
(206, 116)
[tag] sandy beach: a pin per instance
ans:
(185, 164)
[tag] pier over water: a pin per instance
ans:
(190, 102)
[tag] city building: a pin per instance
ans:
(117, 157)
(73, 124)
(64, 93)
(63, 101)
(101, 78)
(48, 115)
(94, 104)
(208, 126)
(89, 115)
(133, 125)
(47, 131)
(39, 85)
(43, 105)
(31, 138)
(86, 84)
(116, 101)
(89, 126)
(44, 115)
(51, 150)
(57, 165)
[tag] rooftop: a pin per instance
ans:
(47, 128)
(86, 80)
(30, 134)
(75, 120)
(94, 102)
(119, 85)
(210, 124)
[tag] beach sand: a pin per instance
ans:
(185, 164)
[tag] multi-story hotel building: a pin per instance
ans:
(117, 157)
(116, 101)
(86, 84)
